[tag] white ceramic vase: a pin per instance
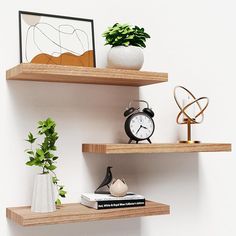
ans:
(118, 188)
(43, 194)
(121, 57)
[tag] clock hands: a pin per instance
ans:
(140, 128)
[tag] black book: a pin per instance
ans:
(113, 204)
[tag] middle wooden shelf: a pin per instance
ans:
(155, 148)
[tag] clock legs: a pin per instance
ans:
(149, 140)
(130, 141)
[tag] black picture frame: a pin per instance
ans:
(21, 13)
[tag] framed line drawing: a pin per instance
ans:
(58, 40)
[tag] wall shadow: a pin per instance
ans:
(160, 177)
(99, 228)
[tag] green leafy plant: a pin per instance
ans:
(125, 35)
(43, 155)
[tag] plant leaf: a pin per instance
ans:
(62, 193)
(58, 202)
(55, 179)
(30, 152)
(31, 139)
(30, 163)
(51, 167)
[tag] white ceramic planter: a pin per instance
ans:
(121, 57)
(43, 194)
(118, 188)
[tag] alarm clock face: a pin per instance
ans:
(141, 126)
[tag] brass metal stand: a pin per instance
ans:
(188, 119)
(189, 139)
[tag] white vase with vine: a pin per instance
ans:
(46, 182)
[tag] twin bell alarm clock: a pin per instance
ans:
(139, 124)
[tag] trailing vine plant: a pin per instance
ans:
(43, 156)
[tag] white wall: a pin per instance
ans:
(194, 41)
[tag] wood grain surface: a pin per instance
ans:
(75, 212)
(155, 148)
(84, 75)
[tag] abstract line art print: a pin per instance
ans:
(59, 40)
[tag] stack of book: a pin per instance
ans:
(107, 201)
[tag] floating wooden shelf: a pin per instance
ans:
(155, 148)
(71, 213)
(84, 75)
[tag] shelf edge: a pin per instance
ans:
(155, 148)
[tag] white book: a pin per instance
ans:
(108, 197)
(91, 204)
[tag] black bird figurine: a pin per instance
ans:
(107, 180)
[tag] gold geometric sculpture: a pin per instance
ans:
(187, 110)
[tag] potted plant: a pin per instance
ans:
(43, 157)
(126, 42)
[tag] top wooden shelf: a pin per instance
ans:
(84, 75)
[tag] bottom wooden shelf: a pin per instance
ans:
(75, 212)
